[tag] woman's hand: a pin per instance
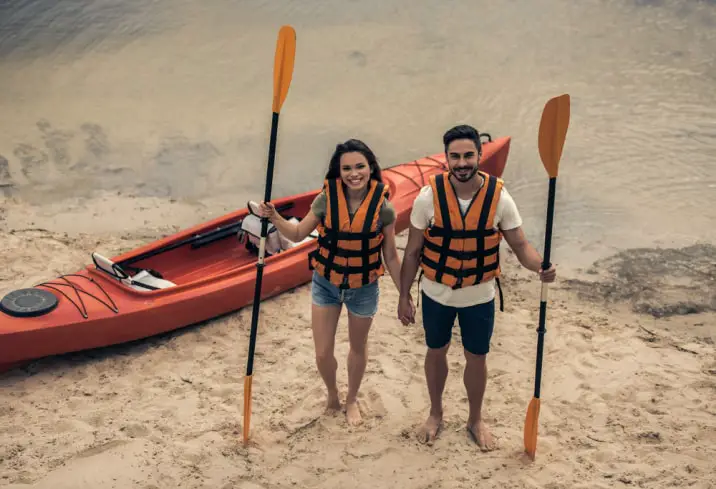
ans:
(267, 209)
(406, 310)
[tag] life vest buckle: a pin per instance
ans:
(459, 274)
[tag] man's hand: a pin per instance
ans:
(406, 310)
(411, 260)
(548, 275)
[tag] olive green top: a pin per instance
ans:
(386, 214)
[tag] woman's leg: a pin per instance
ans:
(358, 329)
(362, 306)
(325, 321)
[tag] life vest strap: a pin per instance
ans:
(464, 272)
(463, 255)
(440, 232)
(499, 287)
(371, 214)
(344, 270)
(348, 236)
(326, 243)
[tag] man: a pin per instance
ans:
(454, 237)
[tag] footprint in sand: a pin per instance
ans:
(60, 427)
(33, 161)
(135, 430)
(373, 402)
(96, 450)
(96, 146)
(166, 422)
(370, 406)
(6, 183)
(96, 141)
(57, 143)
(4, 171)
(96, 420)
(228, 394)
(311, 405)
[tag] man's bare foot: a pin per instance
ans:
(353, 413)
(429, 431)
(481, 435)
(333, 403)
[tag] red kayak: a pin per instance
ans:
(197, 274)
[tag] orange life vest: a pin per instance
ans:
(459, 250)
(348, 252)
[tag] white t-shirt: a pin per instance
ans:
(507, 217)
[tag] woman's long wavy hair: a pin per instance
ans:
(350, 146)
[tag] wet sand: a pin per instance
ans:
(173, 101)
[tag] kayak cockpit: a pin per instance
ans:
(211, 251)
(144, 280)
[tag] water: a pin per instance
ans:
(172, 99)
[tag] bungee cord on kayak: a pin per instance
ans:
(77, 288)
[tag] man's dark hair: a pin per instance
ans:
(463, 131)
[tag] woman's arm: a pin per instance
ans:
(293, 231)
(390, 254)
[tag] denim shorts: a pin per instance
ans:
(361, 302)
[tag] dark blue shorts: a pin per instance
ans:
(476, 324)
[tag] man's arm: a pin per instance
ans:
(411, 260)
(527, 254)
(390, 254)
(419, 220)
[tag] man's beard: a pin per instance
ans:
(467, 176)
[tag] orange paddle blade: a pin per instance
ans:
(247, 406)
(531, 424)
(553, 131)
(283, 65)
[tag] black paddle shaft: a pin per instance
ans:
(545, 265)
(260, 264)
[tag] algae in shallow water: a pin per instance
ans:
(661, 282)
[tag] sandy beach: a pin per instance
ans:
(124, 122)
(627, 399)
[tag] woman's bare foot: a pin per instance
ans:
(429, 431)
(353, 414)
(481, 435)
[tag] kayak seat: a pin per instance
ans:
(287, 244)
(276, 242)
(144, 280)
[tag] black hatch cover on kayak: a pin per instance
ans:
(28, 302)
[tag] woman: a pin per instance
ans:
(355, 222)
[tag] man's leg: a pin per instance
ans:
(436, 371)
(476, 325)
(437, 322)
(475, 379)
